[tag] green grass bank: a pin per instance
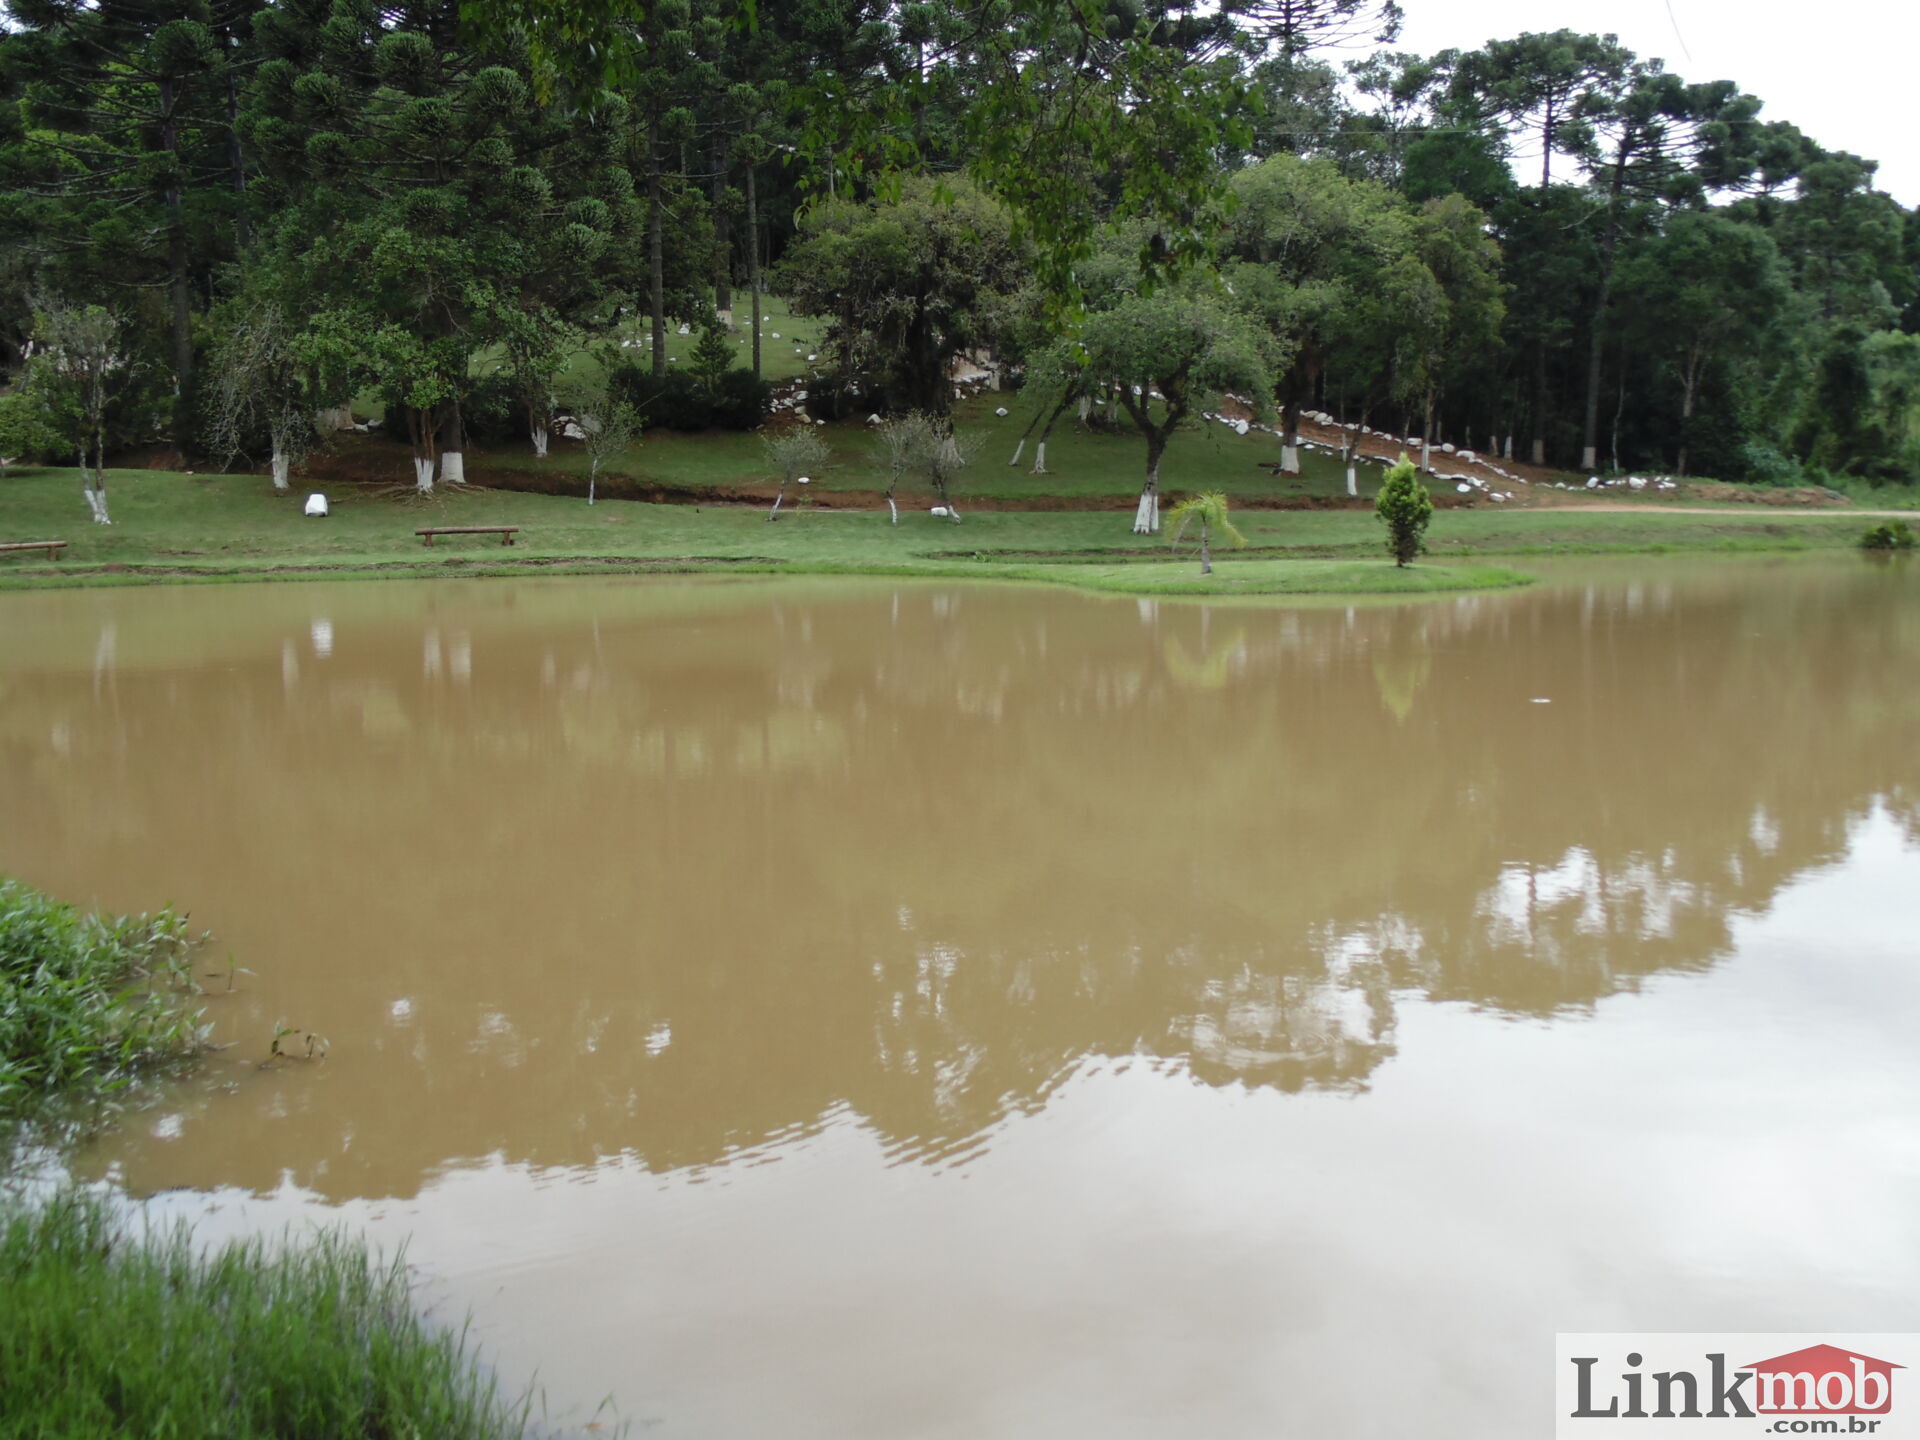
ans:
(174, 526)
(102, 1333)
(87, 1003)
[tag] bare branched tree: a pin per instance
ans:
(796, 455)
(903, 439)
(944, 454)
(610, 427)
(259, 382)
(80, 365)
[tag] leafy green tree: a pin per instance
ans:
(1209, 513)
(1161, 356)
(24, 429)
(1310, 243)
(1405, 508)
(1706, 292)
(906, 286)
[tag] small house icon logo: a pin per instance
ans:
(1823, 1380)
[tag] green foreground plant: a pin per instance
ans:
(1895, 535)
(103, 1333)
(1209, 512)
(86, 1003)
(1405, 508)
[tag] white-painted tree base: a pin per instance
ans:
(97, 505)
(1290, 458)
(1040, 458)
(1589, 458)
(893, 510)
(1426, 458)
(423, 475)
(1353, 481)
(282, 468)
(453, 467)
(540, 441)
(1146, 519)
(1018, 450)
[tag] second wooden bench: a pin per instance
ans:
(505, 532)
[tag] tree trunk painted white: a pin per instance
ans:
(93, 485)
(1040, 458)
(1085, 408)
(1290, 458)
(1507, 451)
(540, 441)
(893, 509)
(1206, 552)
(282, 465)
(1018, 450)
(1146, 519)
(1589, 458)
(774, 513)
(1353, 479)
(423, 474)
(593, 480)
(453, 467)
(1426, 455)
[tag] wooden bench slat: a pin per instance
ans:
(50, 546)
(505, 532)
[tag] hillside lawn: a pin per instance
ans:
(174, 526)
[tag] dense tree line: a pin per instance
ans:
(1547, 247)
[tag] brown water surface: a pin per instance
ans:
(885, 1009)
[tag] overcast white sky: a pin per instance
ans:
(1847, 72)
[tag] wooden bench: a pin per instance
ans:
(52, 547)
(505, 532)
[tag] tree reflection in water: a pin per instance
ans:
(566, 870)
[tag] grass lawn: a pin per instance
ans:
(1080, 463)
(171, 525)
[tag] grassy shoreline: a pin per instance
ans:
(103, 1332)
(108, 1331)
(172, 527)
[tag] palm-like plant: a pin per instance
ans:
(1209, 511)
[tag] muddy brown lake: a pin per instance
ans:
(876, 1009)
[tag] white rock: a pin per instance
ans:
(1464, 489)
(804, 480)
(776, 334)
(316, 505)
(1001, 411)
(819, 422)
(939, 510)
(873, 419)
(686, 330)
(1594, 483)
